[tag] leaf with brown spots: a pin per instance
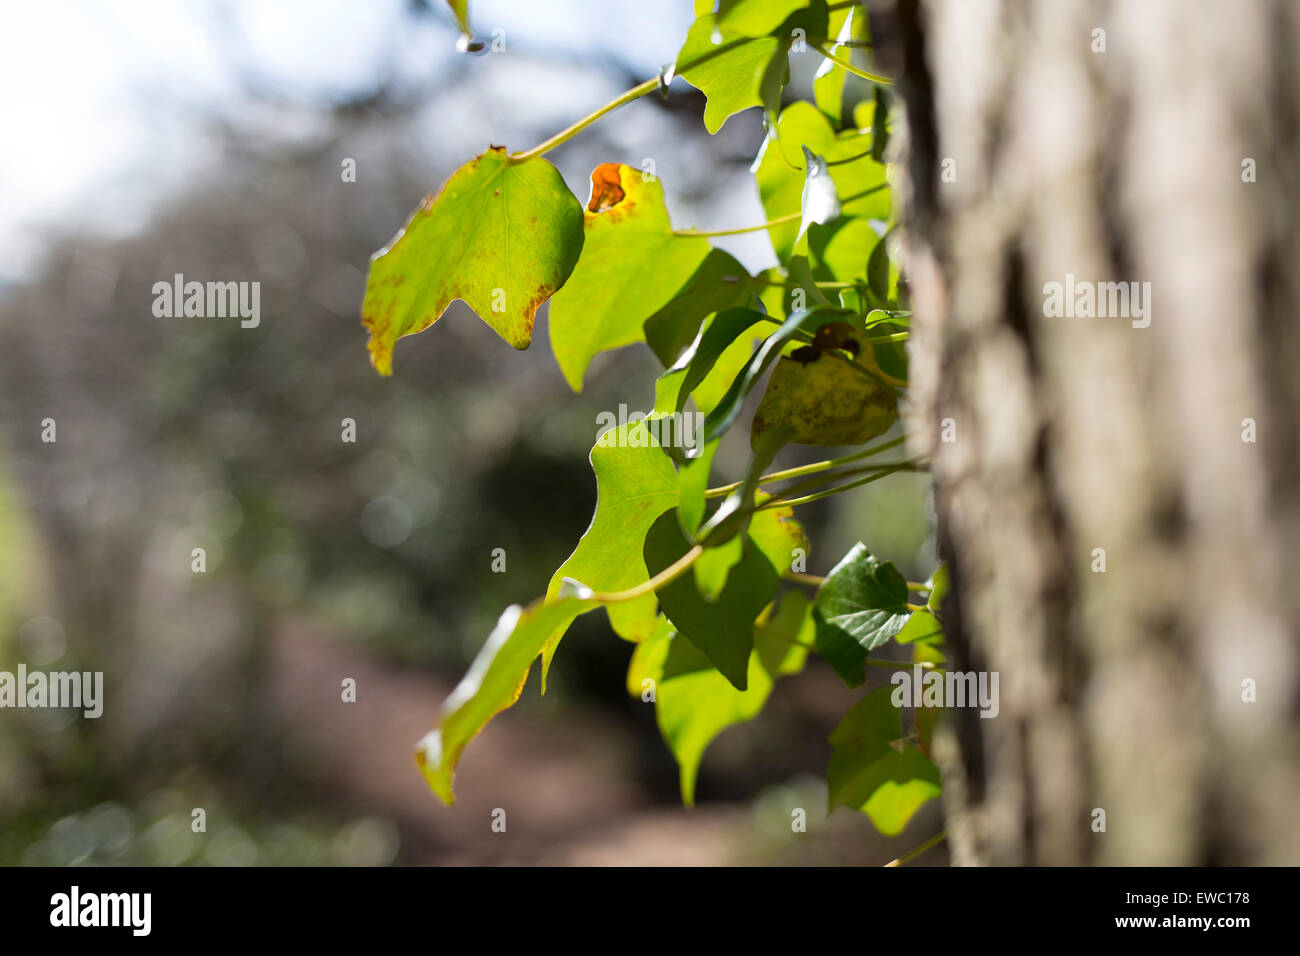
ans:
(632, 265)
(501, 236)
(830, 393)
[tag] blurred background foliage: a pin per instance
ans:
(217, 136)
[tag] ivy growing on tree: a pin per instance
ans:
(705, 581)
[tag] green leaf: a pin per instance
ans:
(714, 339)
(493, 683)
(777, 533)
(724, 415)
(881, 104)
(720, 283)
(774, 531)
(722, 371)
(724, 628)
(694, 702)
(828, 84)
(938, 588)
(756, 18)
(784, 638)
(873, 770)
(635, 484)
(734, 73)
(861, 605)
(713, 566)
(865, 597)
(819, 202)
(631, 265)
(921, 626)
(501, 236)
(859, 179)
(692, 483)
(836, 91)
(838, 252)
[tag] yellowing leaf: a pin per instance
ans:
(631, 266)
(502, 236)
(493, 683)
(826, 397)
(460, 10)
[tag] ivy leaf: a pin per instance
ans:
(635, 484)
(938, 588)
(859, 179)
(733, 71)
(826, 399)
(694, 702)
(778, 535)
(828, 83)
(865, 597)
(838, 252)
(692, 483)
(922, 626)
(493, 683)
(882, 272)
(720, 283)
(774, 531)
(819, 202)
(724, 628)
(501, 236)
(836, 91)
(695, 364)
(874, 771)
(756, 18)
(713, 566)
(632, 263)
(861, 605)
(725, 413)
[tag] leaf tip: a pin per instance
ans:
(428, 757)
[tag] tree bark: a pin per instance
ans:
(1124, 690)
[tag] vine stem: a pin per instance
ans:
(811, 469)
(763, 280)
(790, 217)
(812, 579)
(819, 482)
(791, 502)
(665, 577)
(913, 854)
(856, 71)
(565, 135)
(735, 232)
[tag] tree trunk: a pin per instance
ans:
(1078, 440)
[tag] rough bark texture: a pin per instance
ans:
(1120, 690)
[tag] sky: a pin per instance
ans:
(104, 99)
